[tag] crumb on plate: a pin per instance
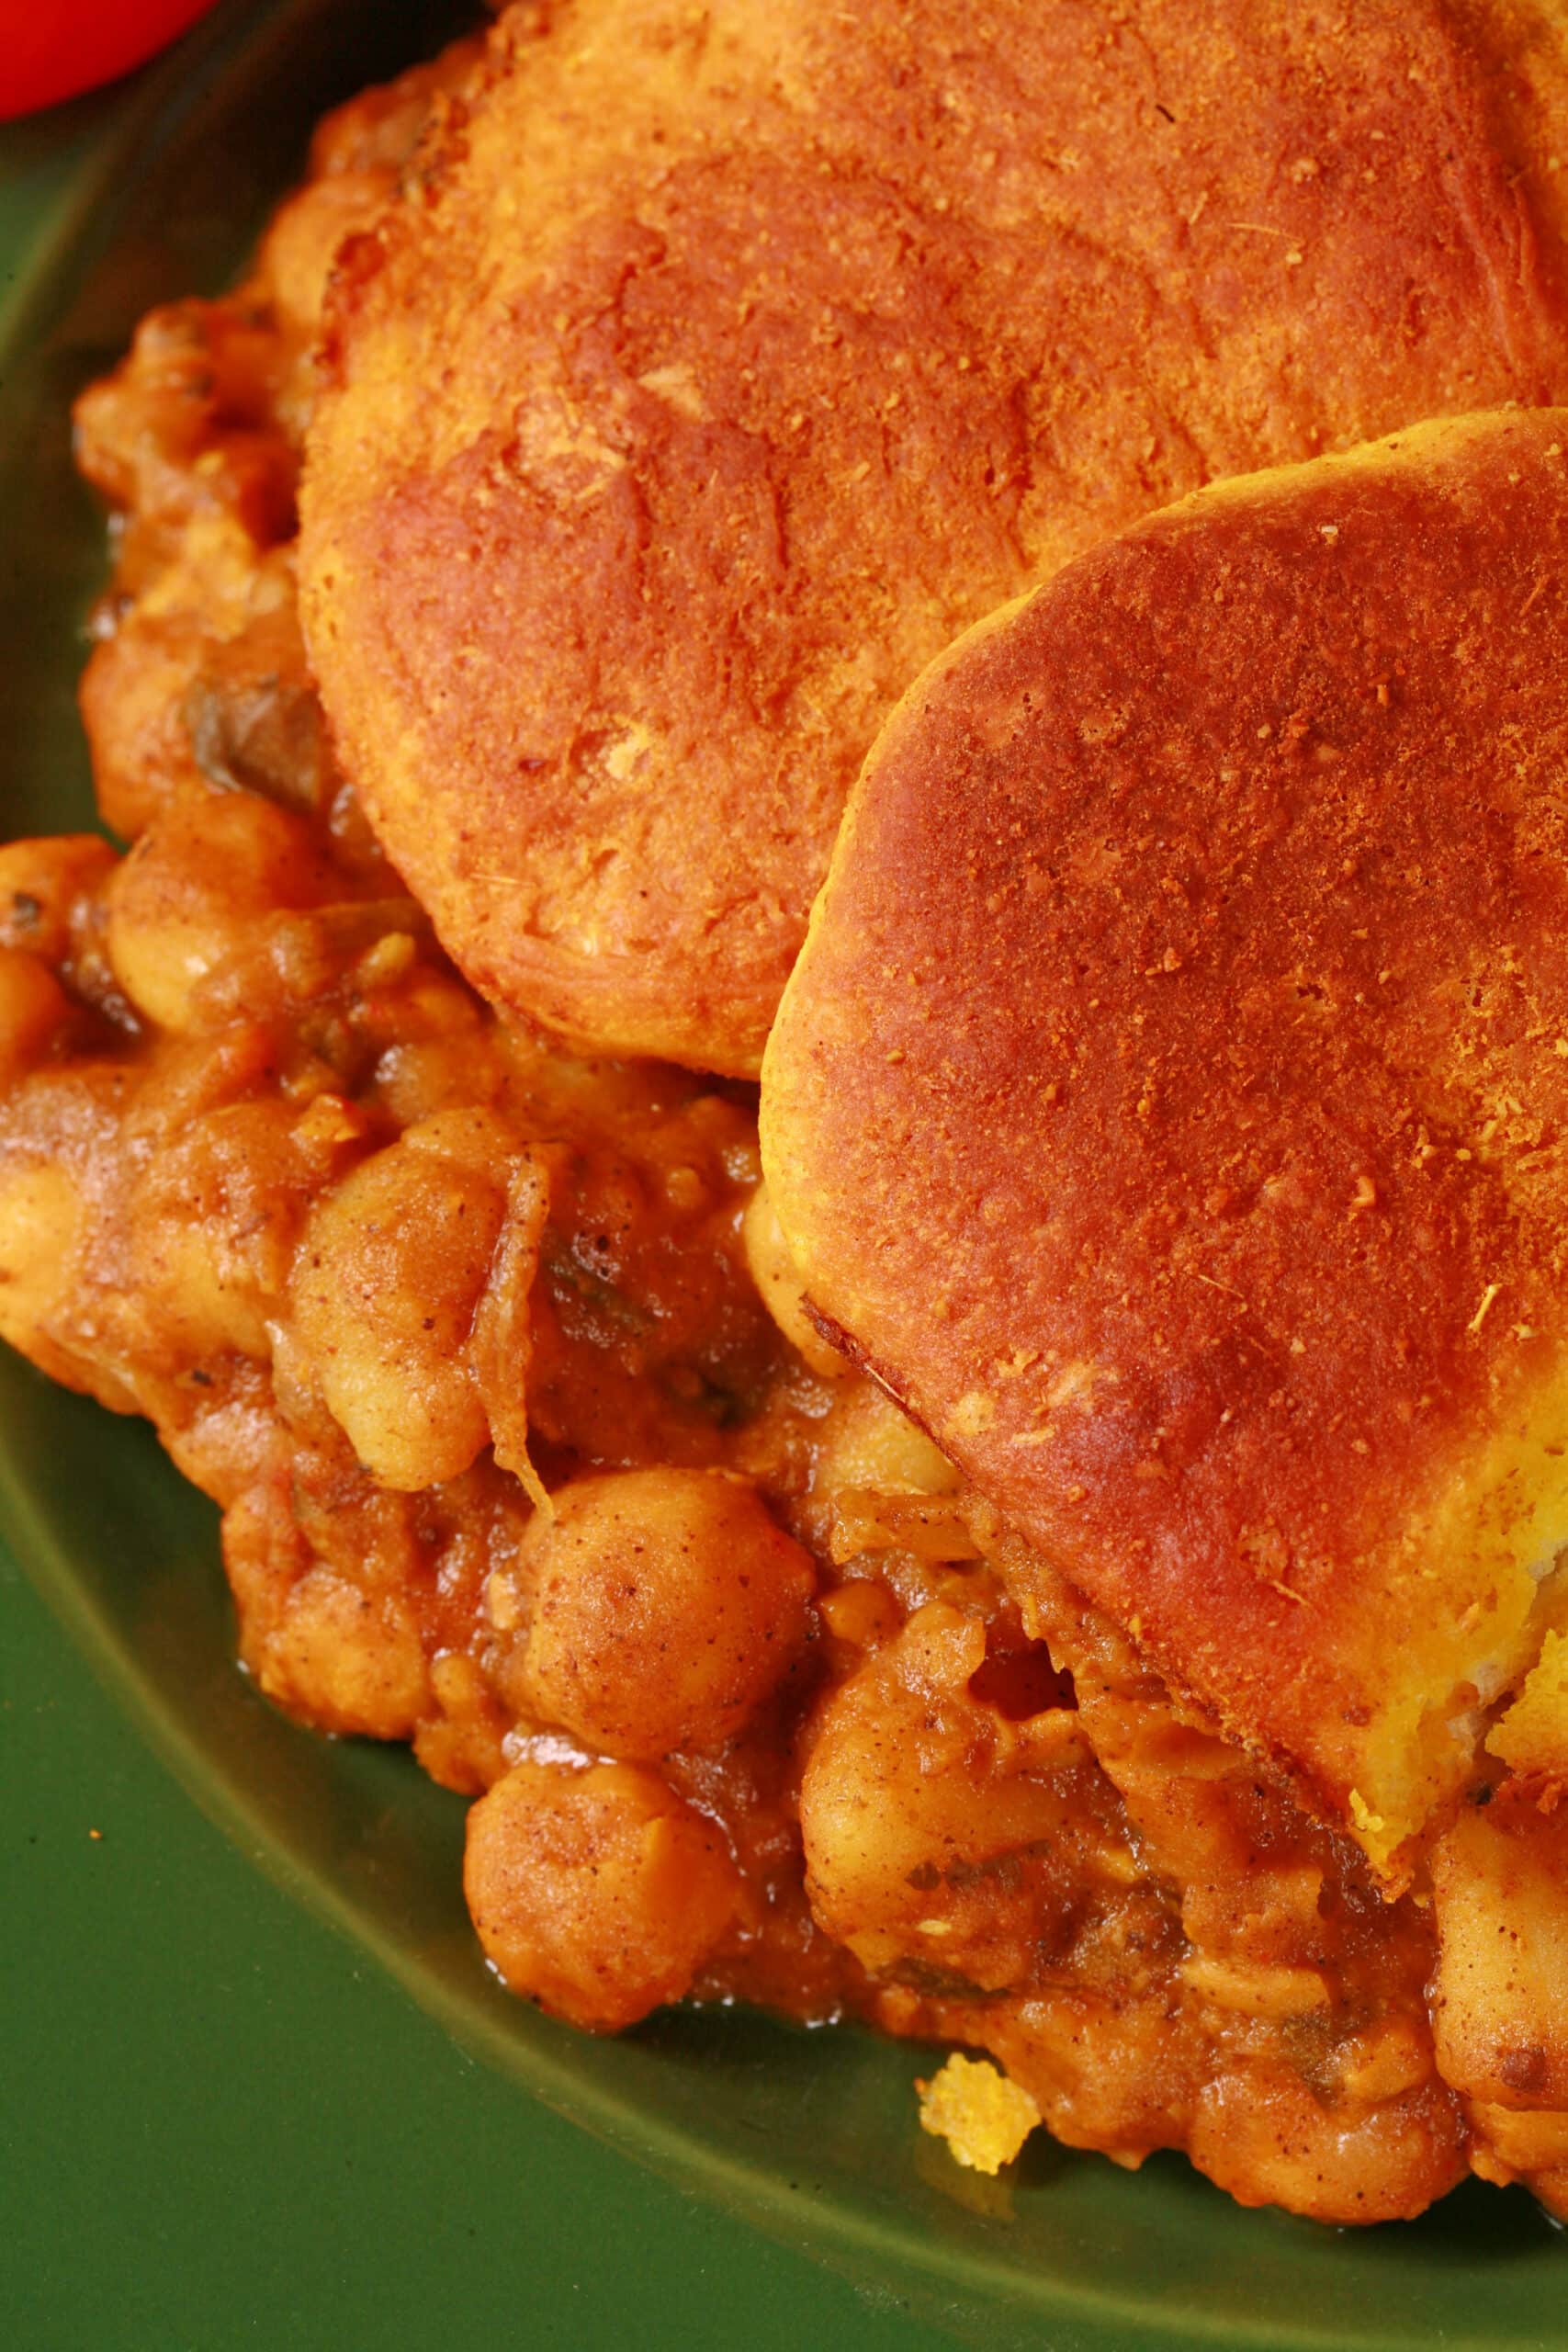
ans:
(984, 2117)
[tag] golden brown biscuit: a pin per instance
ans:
(1172, 1101)
(720, 365)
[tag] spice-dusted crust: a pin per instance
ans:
(1170, 1099)
(718, 367)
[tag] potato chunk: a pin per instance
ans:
(666, 1606)
(597, 1892)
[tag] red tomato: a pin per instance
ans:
(51, 49)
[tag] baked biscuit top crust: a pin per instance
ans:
(720, 366)
(1171, 1102)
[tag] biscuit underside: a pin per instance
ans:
(1172, 1101)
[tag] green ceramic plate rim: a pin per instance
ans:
(58, 255)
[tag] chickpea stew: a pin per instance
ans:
(529, 1457)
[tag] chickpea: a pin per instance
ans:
(1384, 2061)
(937, 1832)
(210, 870)
(32, 1007)
(43, 1218)
(1525, 2140)
(345, 1659)
(599, 1892)
(40, 883)
(337, 1645)
(130, 699)
(1500, 2010)
(197, 1302)
(773, 1272)
(389, 1272)
(211, 1224)
(471, 1138)
(869, 1443)
(462, 1745)
(1263, 2135)
(428, 1075)
(666, 1606)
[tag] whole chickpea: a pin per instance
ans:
(339, 1651)
(598, 1893)
(32, 1007)
(42, 1220)
(347, 1659)
(388, 1274)
(184, 899)
(1263, 2134)
(935, 1830)
(666, 1606)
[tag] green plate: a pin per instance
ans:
(221, 2123)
